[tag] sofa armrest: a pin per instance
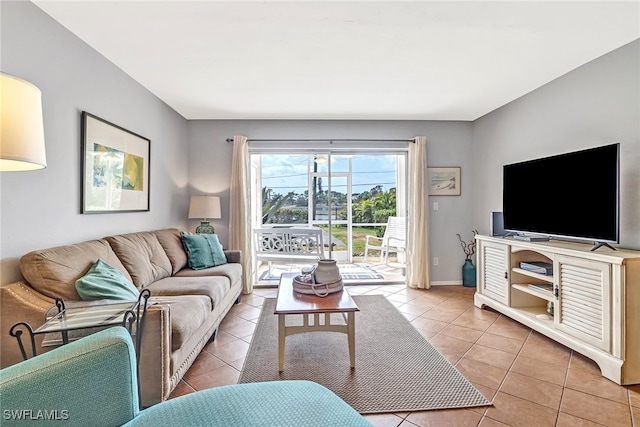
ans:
(155, 355)
(234, 256)
(20, 303)
(68, 386)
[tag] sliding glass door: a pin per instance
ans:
(348, 195)
(330, 204)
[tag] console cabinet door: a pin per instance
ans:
(584, 294)
(494, 271)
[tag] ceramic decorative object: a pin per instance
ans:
(323, 280)
(327, 271)
(468, 269)
(468, 274)
(204, 228)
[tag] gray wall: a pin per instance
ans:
(594, 105)
(41, 208)
(449, 144)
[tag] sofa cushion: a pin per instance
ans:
(213, 287)
(187, 313)
(232, 271)
(171, 242)
(103, 281)
(203, 250)
(85, 383)
(54, 271)
(297, 403)
(142, 255)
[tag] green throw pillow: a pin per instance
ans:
(103, 281)
(203, 250)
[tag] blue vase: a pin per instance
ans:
(468, 274)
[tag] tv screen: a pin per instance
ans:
(574, 195)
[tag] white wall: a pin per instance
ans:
(41, 209)
(594, 105)
(449, 144)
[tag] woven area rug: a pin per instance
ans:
(358, 272)
(397, 370)
(347, 271)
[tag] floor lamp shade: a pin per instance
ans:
(21, 126)
(205, 207)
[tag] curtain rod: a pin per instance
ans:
(326, 140)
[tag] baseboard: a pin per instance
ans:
(446, 283)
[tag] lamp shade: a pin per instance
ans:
(205, 207)
(21, 127)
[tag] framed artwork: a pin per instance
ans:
(115, 168)
(444, 181)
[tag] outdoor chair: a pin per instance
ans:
(393, 240)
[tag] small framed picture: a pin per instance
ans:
(444, 181)
(115, 168)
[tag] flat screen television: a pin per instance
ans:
(573, 195)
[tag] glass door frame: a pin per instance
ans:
(312, 221)
(327, 149)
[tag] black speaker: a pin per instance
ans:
(497, 224)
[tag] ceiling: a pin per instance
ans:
(419, 60)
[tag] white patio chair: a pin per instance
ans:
(394, 239)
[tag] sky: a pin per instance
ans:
(284, 173)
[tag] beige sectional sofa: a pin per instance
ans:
(189, 304)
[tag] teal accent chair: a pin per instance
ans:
(93, 382)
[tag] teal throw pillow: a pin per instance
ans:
(203, 250)
(103, 281)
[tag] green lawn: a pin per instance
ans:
(359, 237)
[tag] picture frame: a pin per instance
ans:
(444, 181)
(115, 168)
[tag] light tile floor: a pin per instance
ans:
(532, 380)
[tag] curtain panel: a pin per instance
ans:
(240, 237)
(418, 216)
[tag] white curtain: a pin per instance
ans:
(240, 209)
(418, 216)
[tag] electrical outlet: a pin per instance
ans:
(435, 260)
(436, 206)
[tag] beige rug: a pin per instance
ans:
(397, 370)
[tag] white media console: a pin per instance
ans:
(595, 296)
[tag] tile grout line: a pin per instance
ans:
(564, 387)
(484, 414)
(507, 374)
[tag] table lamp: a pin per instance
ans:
(205, 207)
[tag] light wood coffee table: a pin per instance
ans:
(311, 307)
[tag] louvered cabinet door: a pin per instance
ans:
(494, 271)
(584, 292)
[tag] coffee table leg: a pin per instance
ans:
(352, 337)
(281, 342)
